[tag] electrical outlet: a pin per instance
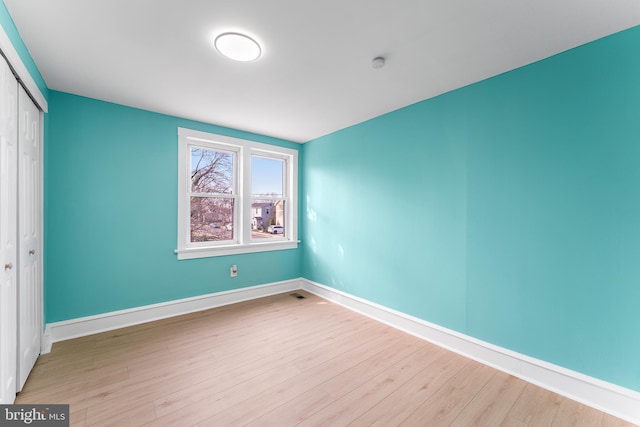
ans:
(233, 271)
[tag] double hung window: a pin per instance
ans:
(235, 196)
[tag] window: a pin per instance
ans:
(267, 195)
(213, 194)
(235, 196)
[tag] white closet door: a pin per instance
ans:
(29, 238)
(8, 232)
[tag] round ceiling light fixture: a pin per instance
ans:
(238, 47)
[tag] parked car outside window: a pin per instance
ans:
(276, 229)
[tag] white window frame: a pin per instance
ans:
(243, 150)
(285, 190)
(224, 148)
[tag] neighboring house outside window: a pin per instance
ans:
(262, 214)
(279, 213)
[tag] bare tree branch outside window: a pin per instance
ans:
(211, 178)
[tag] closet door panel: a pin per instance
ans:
(29, 238)
(8, 232)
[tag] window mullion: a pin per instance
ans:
(245, 195)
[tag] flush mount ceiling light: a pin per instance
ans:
(238, 47)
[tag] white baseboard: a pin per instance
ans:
(60, 331)
(606, 397)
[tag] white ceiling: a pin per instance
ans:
(315, 75)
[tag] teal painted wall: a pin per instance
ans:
(111, 213)
(12, 32)
(508, 210)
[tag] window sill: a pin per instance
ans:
(192, 253)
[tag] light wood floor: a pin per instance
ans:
(282, 361)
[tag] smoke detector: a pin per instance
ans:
(377, 62)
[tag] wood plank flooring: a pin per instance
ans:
(282, 361)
